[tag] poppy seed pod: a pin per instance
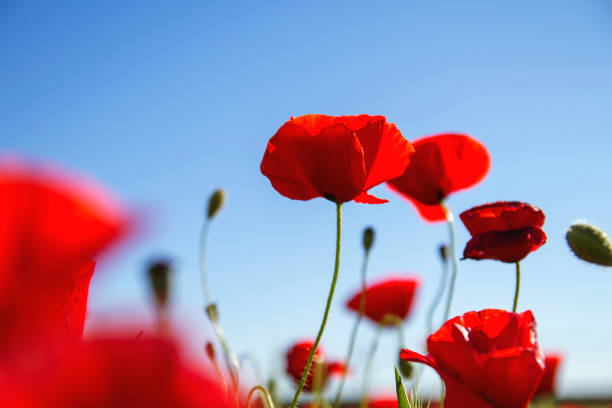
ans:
(215, 203)
(159, 278)
(589, 243)
(405, 368)
(368, 238)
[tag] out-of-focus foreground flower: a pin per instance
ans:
(51, 226)
(337, 157)
(440, 165)
(506, 231)
(487, 359)
(121, 371)
(297, 356)
(388, 300)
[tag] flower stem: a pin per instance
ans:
(451, 249)
(518, 286)
(437, 298)
(362, 303)
(213, 314)
(368, 368)
(264, 392)
(327, 307)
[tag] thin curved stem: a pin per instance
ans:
(368, 368)
(437, 298)
(518, 286)
(296, 397)
(211, 310)
(451, 249)
(362, 303)
(264, 391)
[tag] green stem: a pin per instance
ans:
(296, 397)
(400, 331)
(437, 298)
(264, 392)
(451, 249)
(362, 303)
(518, 286)
(211, 310)
(368, 368)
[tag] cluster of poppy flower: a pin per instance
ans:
(53, 226)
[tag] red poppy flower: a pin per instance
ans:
(50, 228)
(126, 372)
(487, 359)
(391, 402)
(441, 164)
(297, 357)
(337, 157)
(547, 383)
(390, 297)
(506, 231)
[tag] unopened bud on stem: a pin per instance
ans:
(215, 203)
(368, 238)
(589, 243)
(159, 278)
(443, 251)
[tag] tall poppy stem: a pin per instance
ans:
(451, 248)
(368, 368)
(296, 397)
(518, 286)
(213, 314)
(362, 303)
(438, 297)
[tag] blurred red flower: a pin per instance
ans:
(336, 157)
(391, 402)
(547, 383)
(126, 372)
(50, 228)
(441, 164)
(297, 356)
(487, 359)
(506, 231)
(389, 297)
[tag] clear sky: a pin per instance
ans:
(165, 101)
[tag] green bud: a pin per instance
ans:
(159, 279)
(405, 367)
(443, 251)
(589, 243)
(368, 238)
(212, 312)
(215, 202)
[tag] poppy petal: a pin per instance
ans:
(380, 141)
(365, 198)
(502, 216)
(429, 213)
(442, 164)
(303, 166)
(505, 246)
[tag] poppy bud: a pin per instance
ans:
(368, 238)
(443, 250)
(159, 278)
(210, 351)
(212, 312)
(215, 202)
(589, 243)
(405, 367)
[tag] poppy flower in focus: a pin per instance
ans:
(51, 226)
(336, 157)
(440, 165)
(297, 357)
(547, 383)
(127, 372)
(487, 359)
(387, 299)
(506, 231)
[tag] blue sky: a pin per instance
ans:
(164, 102)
